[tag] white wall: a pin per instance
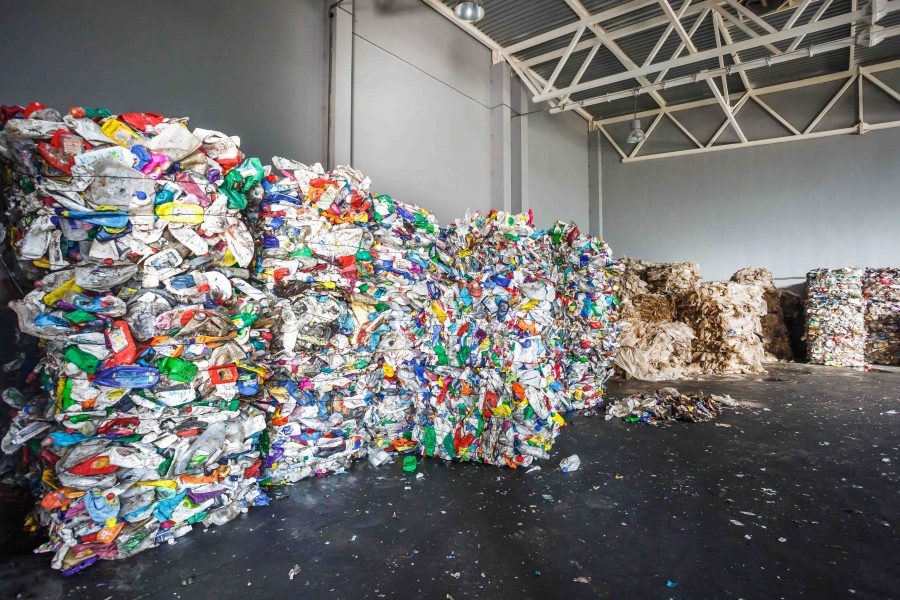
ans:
(253, 69)
(788, 207)
(422, 120)
(557, 169)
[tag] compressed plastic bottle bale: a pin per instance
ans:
(340, 263)
(150, 372)
(881, 290)
(588, 280)
(492, 386)
(835, 317)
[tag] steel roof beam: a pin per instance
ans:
(836, 21)
(760, 91)
(665, 36)
(612, 46)
(676, 23)
(711, 73)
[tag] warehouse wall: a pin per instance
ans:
(251, 69)
(422, 119)
(557, 169)
(787, 207)
(421, 89)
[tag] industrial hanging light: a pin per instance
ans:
(469, 10)
(636, 135)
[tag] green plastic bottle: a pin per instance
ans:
(430, 440)
(177, 369)
(441, 354)
(85, 361)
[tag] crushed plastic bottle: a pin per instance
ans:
(835, 317)
(570, 464)
(211, 324)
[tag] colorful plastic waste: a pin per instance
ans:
(153, 421)
(211, 325)
(881, 290)
(668, 404)
(835, 317)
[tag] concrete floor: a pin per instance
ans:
(797, 498)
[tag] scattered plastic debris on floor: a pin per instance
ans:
(668, 404)
(211, 327)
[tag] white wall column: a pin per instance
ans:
(501, 138)
(340, 92)
(595, 183)
(519, 150)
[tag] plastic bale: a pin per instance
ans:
(122, 223)
(835, 317)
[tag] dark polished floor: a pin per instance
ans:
(799, 497)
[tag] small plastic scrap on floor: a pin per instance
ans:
(570, 464)
(668, 404)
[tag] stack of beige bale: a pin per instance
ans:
(672, 278)
(653, 345)
(782, 307)
(726, 319)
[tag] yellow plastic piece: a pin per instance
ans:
(163, 483)
(119, 132)
(180, 212)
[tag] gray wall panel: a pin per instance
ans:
(788, 207)
(252, 69)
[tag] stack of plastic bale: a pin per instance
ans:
(490, 367)
(341, 266)
(835, 317)
(776, 337)
(317, 410)
(725, 317)
(654, 345)
(881, 290)
(587, 283)
(131, 226)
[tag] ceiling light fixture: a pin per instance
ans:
(469, 10)
(636, 135)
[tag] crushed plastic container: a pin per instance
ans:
(211, 325)
(835, 317)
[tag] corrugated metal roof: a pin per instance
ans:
(510, 22)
